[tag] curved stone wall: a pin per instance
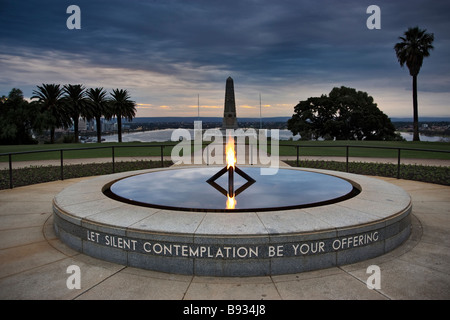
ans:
(238, 244)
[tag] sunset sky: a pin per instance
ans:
(166, 53)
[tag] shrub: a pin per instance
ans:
(39, 174)
(431, 174)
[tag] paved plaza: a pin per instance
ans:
(34, 262)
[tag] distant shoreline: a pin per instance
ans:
(163, 135)
(264, 119)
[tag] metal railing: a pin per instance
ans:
(347, 152)
(162, 146)
(61, 156)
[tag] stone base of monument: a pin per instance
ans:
(252, 243)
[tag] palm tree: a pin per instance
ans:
(50, 100)
(122, 107)
(99, 107)
(414, 46)
(76, 103)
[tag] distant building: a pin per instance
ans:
(82, 124)
(108, 125)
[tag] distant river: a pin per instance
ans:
(166, 134)
(408, 136)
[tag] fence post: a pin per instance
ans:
(398, 164)
(62, 164)
(297, 146)
(113, 160)
(162, 156)
(346, 157)
(10, 171)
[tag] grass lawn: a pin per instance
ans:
(337, 148)
(126, 149)
(287, 148)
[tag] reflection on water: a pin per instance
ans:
(187, 188)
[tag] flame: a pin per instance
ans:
(231, 161)
(230, 153)
(231, 202)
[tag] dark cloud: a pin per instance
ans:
(264, 42)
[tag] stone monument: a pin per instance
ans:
(229, 113)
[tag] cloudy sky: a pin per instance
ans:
(169, 52)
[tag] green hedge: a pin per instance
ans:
(431, 174)
(39, 174)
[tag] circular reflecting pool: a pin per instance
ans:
(188, 189)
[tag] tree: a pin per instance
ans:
(77, 105)
(345, 114)
(55, 112)
(17, 119)
(97, 98)
(122, 107)
(414, 46)
(312, 118)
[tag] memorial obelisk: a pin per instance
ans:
(229, 113)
